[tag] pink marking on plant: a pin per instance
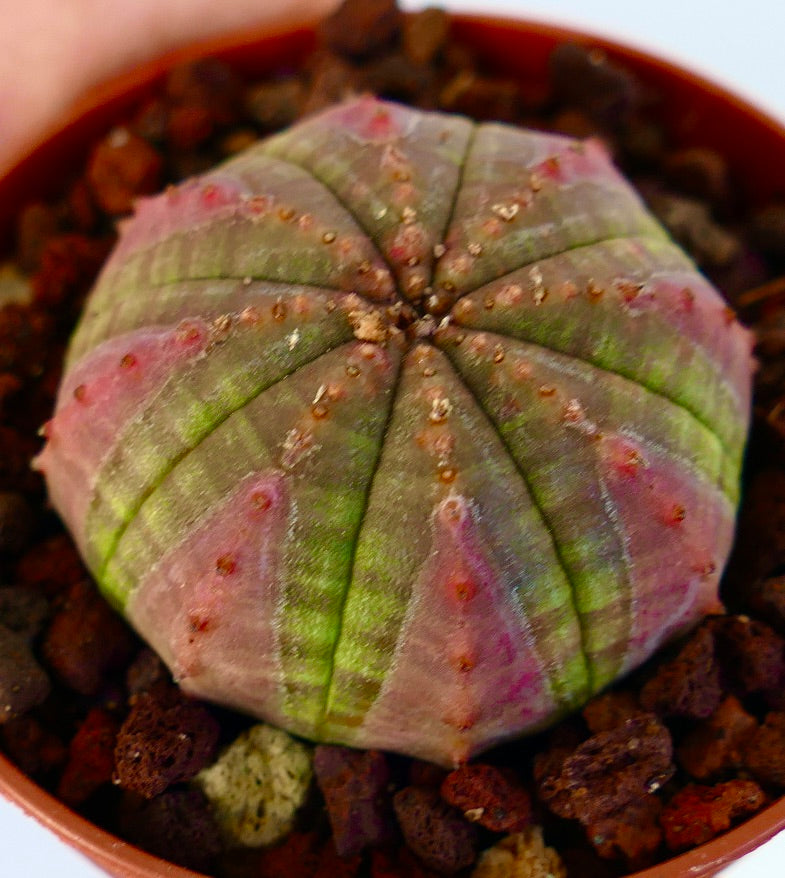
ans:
(409, 242)
(179, 208)
(210, 605)
(371, 121)
(465, 658)
(622, 456)
(568, 162)
(97, 399)
(672, 574)
(687, 301)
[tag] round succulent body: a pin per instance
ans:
(401, 431)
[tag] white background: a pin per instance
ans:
(739, 45)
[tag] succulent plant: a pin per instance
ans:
(402, 432)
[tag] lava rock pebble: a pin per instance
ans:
(355, 786)
(23, 682)
(166, 738)
(435, 831)
(489, 797)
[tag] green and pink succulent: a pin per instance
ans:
(401, 431)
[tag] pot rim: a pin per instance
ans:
(106, 850)
(124, 860)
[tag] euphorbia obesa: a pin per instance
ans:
(401, 431)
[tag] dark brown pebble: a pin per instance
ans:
(751, 653)
(608, 771)
(275, 104)
(16, 523)
(23, 610)
(32, 746)
(425, 34)
(481, 97)
(587, 79)
(700, 172)
(394, 76)
(36, 224)
(691, 223)
(146, 672)
(23, 682)
(688, 685)
(361, 28)
(209, 84)
(768, 230)
(330, 80)
(435, 831)
(51, 567)
(354, 784)
(177, 826)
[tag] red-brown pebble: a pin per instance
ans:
(355, 784)
(90, 757)
(166, 738)
(425, 774)
(122, 167)
(51, 567)
(489, 797)
(188, 126)
(36, 224)
(82, 208)
(689, 685)
(398, 863)
(69, 265)
(716, 744)
(764, 753)
(632, 834)
(209, 84)
(609, 710)
(86, 641)
(699, 813)
(306, 855)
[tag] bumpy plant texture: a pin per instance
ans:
(401, 431)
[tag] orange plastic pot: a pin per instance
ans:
(696, 112)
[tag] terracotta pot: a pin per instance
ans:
(696, 112)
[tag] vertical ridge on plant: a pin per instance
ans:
(382, 430)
